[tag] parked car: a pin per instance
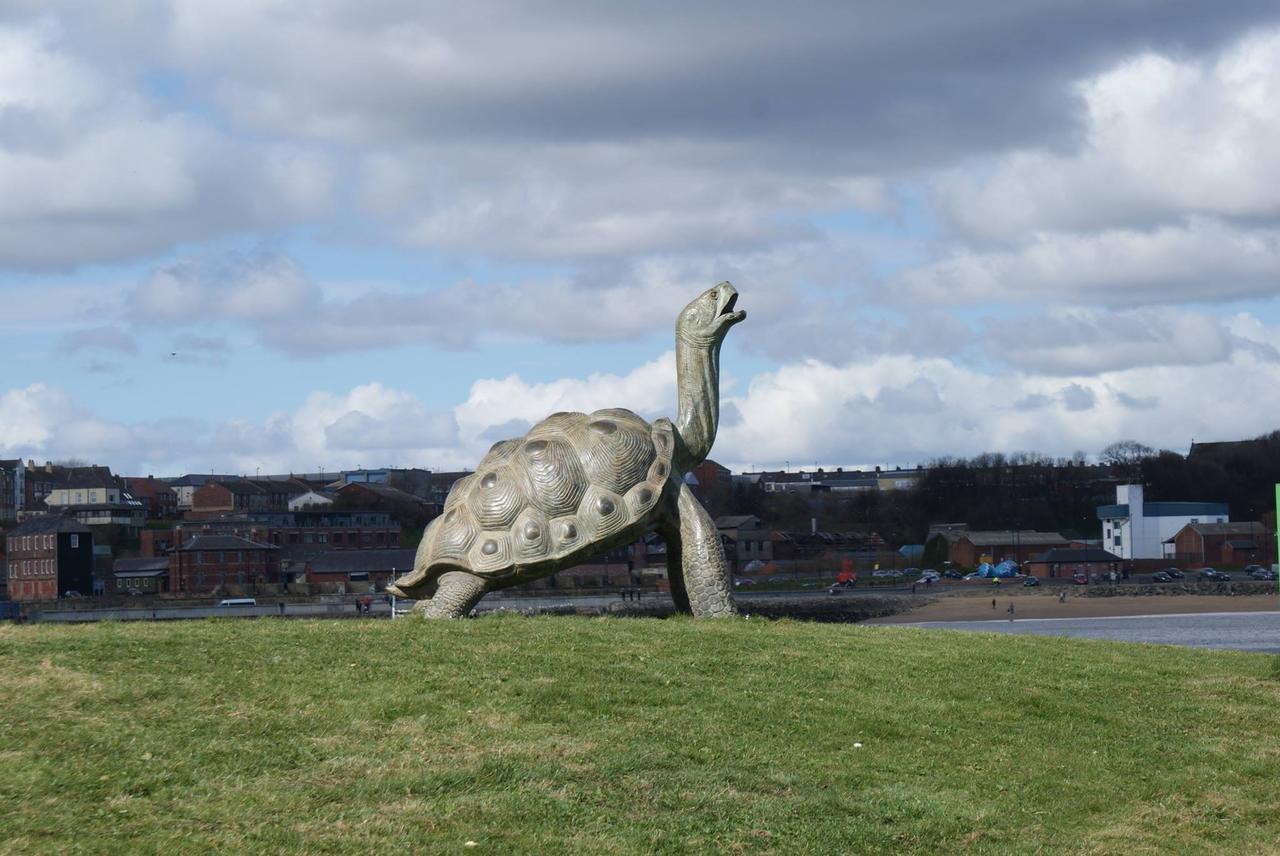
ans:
(1080, 580)
(952, 574)
(744, 581)
(1261, 573)
(1031, 581)
(1173, 572)
(1161, 577)
(238, 601)
(1213, 575)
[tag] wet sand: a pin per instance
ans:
(976, 606)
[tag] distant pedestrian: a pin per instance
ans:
(282, 607)
(993, 603)
(1062, 596)
(1011, 610)
(358, 607)
(913, 588)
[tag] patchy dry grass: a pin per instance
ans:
(627, 736)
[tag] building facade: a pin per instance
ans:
(47, 557)
(207, 563)
(1136, 529)
(1223, 543)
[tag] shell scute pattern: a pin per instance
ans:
(554, 472)
(572, 481)
(497, 497)
(531, 536)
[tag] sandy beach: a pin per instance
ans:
(976, 606)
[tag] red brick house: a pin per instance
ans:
(1224, 543)
(208, 562)
(47, 556)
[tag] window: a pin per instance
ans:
(75, 541)
(1117, 539)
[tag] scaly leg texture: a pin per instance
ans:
(456, 593)
(706, 574)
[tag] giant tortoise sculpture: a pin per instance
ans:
(580, 484)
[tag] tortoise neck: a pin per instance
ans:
(698, 386)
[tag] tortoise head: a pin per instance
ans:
(709, 316)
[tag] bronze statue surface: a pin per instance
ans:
(579, 484)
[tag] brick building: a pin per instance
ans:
(141, 576)
(1224, 543)
(1069, 561)
(38, 483)
(48, 556)
(969, 548)
(359, 570)
(241, 495)
(160, 500)
(208, 562)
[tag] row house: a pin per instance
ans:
(47, 557)
(159, 499)
(96, 498)
(838, 480)
(244, 495)
(185, 487)
(209, 562)
(314, 530)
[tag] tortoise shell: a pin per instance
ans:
(566, 490)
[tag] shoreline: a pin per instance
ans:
(975, 606)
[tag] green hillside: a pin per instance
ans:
(626, 736)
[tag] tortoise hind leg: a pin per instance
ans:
(457, 592)
(704, 572)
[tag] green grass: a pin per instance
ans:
(626, 736)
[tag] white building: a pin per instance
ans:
(1134, 529)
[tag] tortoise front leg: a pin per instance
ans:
(704, 570)
(457, 592)
(670, 532)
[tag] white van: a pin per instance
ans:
(238, 601)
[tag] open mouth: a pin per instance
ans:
(727, 312)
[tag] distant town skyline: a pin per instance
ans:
(238, 238)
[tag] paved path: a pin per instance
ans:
(1239, 631)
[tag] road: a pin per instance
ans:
(1258, 632)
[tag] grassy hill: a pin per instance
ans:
(627, 736)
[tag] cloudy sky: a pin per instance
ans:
(279, 236)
